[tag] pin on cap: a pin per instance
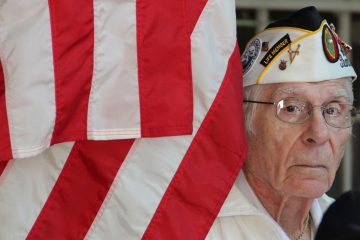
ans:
(300, 48)
(345, 48)
(293, 53)
(282, 65)
(265, 46)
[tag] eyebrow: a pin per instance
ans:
(340, 92)
(337, 92)
(287, 90)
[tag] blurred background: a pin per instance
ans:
(254, 15)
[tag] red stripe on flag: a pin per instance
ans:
(2, 167)
(164, 68)
(72, 26)
(195, 9)
(80, 189)
(209, 168)
(5, 146)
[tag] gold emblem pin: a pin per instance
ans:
(293, 53)
(282, 65)
(265, 46)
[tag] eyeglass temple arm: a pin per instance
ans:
(261, 102)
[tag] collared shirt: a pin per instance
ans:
(243, 216)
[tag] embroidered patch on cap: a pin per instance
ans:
(330, 45)
(251, 54)
(274, 50)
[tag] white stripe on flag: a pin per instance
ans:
(114, 91)
(26, 52)
(26, 186)
(151, 164)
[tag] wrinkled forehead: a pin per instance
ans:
(326, 89)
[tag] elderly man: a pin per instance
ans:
(298, 103)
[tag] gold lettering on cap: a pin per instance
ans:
(280, 46)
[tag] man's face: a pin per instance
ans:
(297, 159)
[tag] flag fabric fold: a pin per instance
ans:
(132, 187)
(93, 70)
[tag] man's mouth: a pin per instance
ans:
(311, 165)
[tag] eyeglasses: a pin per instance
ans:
(293, 110)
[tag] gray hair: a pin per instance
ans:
(349, 90)
(252, 92)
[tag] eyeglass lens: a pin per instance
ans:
(336, 114)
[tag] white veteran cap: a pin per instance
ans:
(300, 48)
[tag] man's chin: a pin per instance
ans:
(309, 188)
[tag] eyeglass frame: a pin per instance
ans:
(352, 110)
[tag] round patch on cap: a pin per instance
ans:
(250, 55)
(330, 45)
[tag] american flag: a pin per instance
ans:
(122, 119)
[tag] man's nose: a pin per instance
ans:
(318, 130)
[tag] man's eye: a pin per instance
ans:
(292, 108)
(334, 111)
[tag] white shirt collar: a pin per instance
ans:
(243, 201)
